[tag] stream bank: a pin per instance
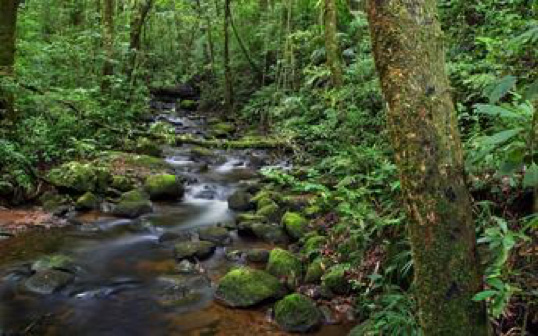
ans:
(154, 255)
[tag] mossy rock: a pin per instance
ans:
(199, 152)
(264, 196)
(215, 234)
(246, 287)
(263, 202)
(133, 204)
(190, 250)
(122, 183)
(80, 177)
(297, 313)
(58, 262)
(335, 281)
(258, 255)
(249, 218)
(188, 104)
(284, 264)
(240, 201)
(313, 245)
(164, 187)
(222, 129)
(88, 201)
(295, 224)
(148, 146)
(314, 271)
(48, 281)
(312, 210)
(52, 201)
(271, 211)
(269, 233)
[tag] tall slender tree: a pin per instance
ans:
(332, 48)
(408, 49)
(108, 42)
(141, 12)
(228, 76)
(8, 23)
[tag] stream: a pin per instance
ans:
(127, 281)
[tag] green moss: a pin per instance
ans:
(295, 224)
(188, 104)
(313, 245)
(314, 271)
(297, 313)
(335, 281)
(133, 204)
(165, 186)
(122, 183)
(80, 177)
(245, 287)
(268, 232)
(88, 201)
(222, 129)
(284, 264)
(199, 249)
(148, 147)
(57, 261)
(271, 211)
(249, 217)
(200, 151)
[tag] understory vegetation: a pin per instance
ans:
(67, 107)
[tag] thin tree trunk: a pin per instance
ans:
(331, 43)
(253, 65)
(8, 24)
(137, 24)
(408, 50)
(108, 43)
(210, 45)
(228, 76)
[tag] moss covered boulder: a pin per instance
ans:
(164, 187)
(297, 313)
(335, 281)
(246, 287)
(270, 211)
(222, 129)
(133, 204)
(295, 224)
(80, 177)
(148, 146)
(48, 281)
(57, 262)
(88, 201)
(240, 201)
(314, 271)
(284, 264)
(313, 245)
(122, 183)
(215, 234)
(257, 255)
(188, 104)
(190, 250)
(270, 233)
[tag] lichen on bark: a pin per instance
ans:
(408, 49)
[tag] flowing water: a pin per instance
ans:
(127, 281)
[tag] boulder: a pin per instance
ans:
(246, 287)
(80, 177)
(122, 183)
(57, 262)
(222, 129)
(88, 201)
(284, 264)
(215, 234)
(271, 211)
(297, 313)
(190, 250)
(269, 233)
(188, 104)
(335, 281)
(48, 281)
(149, 147)
(164, 187)
(295, 224)
(313, 245)
(314, 271)
(257, 255)
(240, 201)
(132, 204)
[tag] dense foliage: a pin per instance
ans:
(283, 86)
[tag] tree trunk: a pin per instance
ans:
(408, 50)
(253, 65)
(228, 76)
(331, 43)
(137, 24)
(8, 23)
(108, 43)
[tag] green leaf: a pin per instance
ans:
(532, 91)
(500, 137)
(484, 295)
(501, 88)
(496, 111)
(531, 176)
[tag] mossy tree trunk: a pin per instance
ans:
(108, 43)
(8, 23)
(228, 76)
(331, 43)
(408, 49)
(141, 11)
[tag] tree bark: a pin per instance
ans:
(108, 43)
(8, 23)
(228, 76)
(331, 43)
(137, 24)
(408, 50)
